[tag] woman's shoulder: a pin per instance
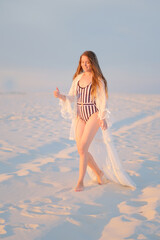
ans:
(75, 81)
(78, 76)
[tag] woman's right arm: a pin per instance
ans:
(58, 95)
(66, 102)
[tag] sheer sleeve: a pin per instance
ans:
(67, 106)
(102, 105)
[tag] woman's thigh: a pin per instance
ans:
(90, 130)
(80, 125)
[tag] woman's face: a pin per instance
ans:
(85, 64)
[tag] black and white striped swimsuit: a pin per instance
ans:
(85, 106)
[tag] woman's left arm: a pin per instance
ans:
(103, 124)
(101, 103)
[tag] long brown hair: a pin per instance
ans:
(96, 72)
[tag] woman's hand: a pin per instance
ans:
(103, 124)
(57, 93)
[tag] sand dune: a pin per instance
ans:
(39, 169)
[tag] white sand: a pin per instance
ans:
(39, 169)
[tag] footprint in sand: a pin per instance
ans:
(5, 177)
(44, 207)
(65, 169)
(2, 226)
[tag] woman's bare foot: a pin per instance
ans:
(79, 187)
(101, 178)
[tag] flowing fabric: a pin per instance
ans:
(102, 147)
(103, 151)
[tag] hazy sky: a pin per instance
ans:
(41, 41)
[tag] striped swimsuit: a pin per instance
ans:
(85, 106)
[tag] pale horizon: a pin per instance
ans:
(42, 41)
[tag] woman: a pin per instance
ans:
(89, 96)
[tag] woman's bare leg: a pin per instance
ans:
(93, 165)
(80, 125)
(85, 133)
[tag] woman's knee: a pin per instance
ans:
(82, 149)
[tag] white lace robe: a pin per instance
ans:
(102, 147)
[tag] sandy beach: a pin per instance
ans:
(39, 170)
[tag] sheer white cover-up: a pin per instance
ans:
(102, 147)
